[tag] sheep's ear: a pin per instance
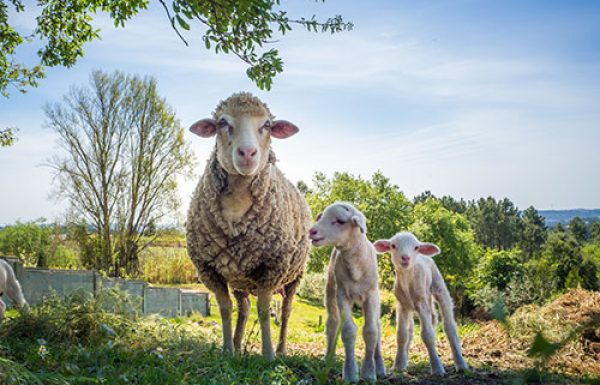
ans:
(359, 221)
(204, 128)
(382, 245)
(429, 249)
(282, 129)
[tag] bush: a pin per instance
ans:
(167, 265)
(312, 287)
(80, 318)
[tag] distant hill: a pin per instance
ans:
(564, 216)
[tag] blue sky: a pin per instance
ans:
(467, 98)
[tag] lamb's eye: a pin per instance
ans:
(319, 217)
(393, 246)
(416, 248)
(340, 222)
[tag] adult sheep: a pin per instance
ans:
(247, 225)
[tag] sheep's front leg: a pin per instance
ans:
(404, 334)
(225, 307)
(243, 305)
(350, 372)
(371, 336)
(2, 309)
(286, 309)
(263, 302)
(428, 336)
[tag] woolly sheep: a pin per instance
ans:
(10, 286)
(418, 284)
(352, 279)
(247, 226)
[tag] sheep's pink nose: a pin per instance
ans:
(405, 258)
(247, 152)
(312, 232)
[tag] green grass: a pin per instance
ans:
(90, 340)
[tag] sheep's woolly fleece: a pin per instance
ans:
(242, 103)
(268, 247)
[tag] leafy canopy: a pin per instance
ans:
(242, 28)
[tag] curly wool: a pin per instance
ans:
(266, 249)
(242, 103)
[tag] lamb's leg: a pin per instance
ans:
(379, 364)
(243, 305)
(428, 336)
(445, 301)
(350, 372)
(286, 310)
(333, 316)
(2, 308)
(371, 336)
(404, 332)
(263, 302)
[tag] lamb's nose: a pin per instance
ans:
(405, 258)
(312, 232)
(247, 152)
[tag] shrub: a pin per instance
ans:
(312, 287)
(167, 265)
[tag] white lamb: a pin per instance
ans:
(352, 278)
(418, 284)
(10, 286)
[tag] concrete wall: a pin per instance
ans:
(168, 302)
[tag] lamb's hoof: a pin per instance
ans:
(439, 371)
(381, 373)
(369, 376)
(350, 378)
(463, 368)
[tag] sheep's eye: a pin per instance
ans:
(267, 124)
(416, 248)
(340, 222)
(393, 246)
(222, 123)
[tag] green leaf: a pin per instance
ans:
(182, 23)
(542, 348)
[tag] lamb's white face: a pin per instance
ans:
(338, 225)
(243, 141)
(404, 248)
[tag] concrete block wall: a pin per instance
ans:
(168, 302)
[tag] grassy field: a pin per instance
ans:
(79, 341)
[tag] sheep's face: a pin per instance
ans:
(404, 248)
(339, 225)
(243, 127)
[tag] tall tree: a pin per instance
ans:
(578, 228)
(534, 232)
(123, 151)
(63, 27)
(496, 223)
(563, 254)
(595, 232)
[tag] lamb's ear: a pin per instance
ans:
(282, 129)
(359, 221)
(429, 249)
(382, 245)
(204, 128)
